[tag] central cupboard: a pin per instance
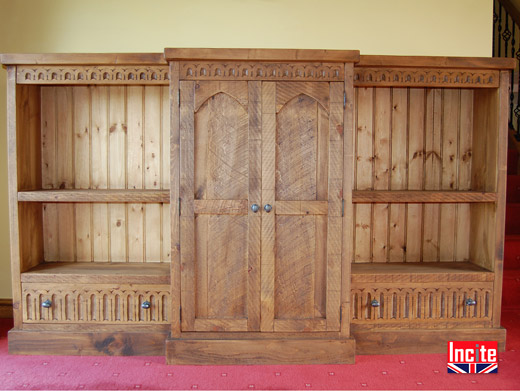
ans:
(253, 206)
(261, 205)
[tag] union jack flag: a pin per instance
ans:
(472, 368)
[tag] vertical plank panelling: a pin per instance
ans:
(363, 213)
(81, 115)
(116, 170)
(449, 180)
(464, 169)
(165, 174)
(49, 171)
(398, 173)
(65, 175)
(134, 102)
(414, 221)
(383, 121)
(187, 129)
(268, 197)
(432, 172)
(99, 171)
(152, 170)
(254, 197)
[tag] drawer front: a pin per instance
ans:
(439, 305)
(101, 304)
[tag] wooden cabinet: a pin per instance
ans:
(255, 206)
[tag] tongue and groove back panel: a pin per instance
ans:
(413, 139)
(106, 137)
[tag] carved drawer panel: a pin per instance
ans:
(425, 305)
(102, 304)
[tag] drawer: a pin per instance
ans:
(421, 305)
(95, 303)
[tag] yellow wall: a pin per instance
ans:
(408, 27)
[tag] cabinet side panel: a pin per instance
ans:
(503, 102)
(28, 158)
(484, 175)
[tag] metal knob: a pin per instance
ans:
(374, 303)
(255, 208)
(268, 208)
(470, 301)
(47, 304)
(146, 305)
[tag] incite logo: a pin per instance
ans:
(472, 357)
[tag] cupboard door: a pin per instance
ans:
(220, 234)
(302, 160)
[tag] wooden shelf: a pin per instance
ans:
(419, 272)
(421, 196)
(99, 273)
(145, 196)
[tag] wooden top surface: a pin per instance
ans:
(83, 58)
(99, 272)
(269, 55)
(437, 62)
(416, 267)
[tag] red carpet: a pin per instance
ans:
(395, 372)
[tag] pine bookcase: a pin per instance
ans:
(255, 206)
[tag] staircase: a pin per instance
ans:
(511, 287)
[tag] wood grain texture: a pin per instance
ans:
(254, 197)
(175, 159)
(435, 62)
(348, 184)
(99, 272)
(422, 196)
(281, 55)
(421, 341)
(82, 58)
(95, 304)
(88, 343)
(12, 179)
(501, 190)
(187, 224)
(267, 266)
(101, 196)
(265, 351)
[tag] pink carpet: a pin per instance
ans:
(394, 372)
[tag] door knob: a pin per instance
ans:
(470, 301)
(255, 208)
(374, 303)
(146, 304)
(268, 208)
(47, 304)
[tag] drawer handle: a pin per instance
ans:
(146, 305)
(470, 301)
(255, 208)
(47, 304)
(374, 303)
(268, 208)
